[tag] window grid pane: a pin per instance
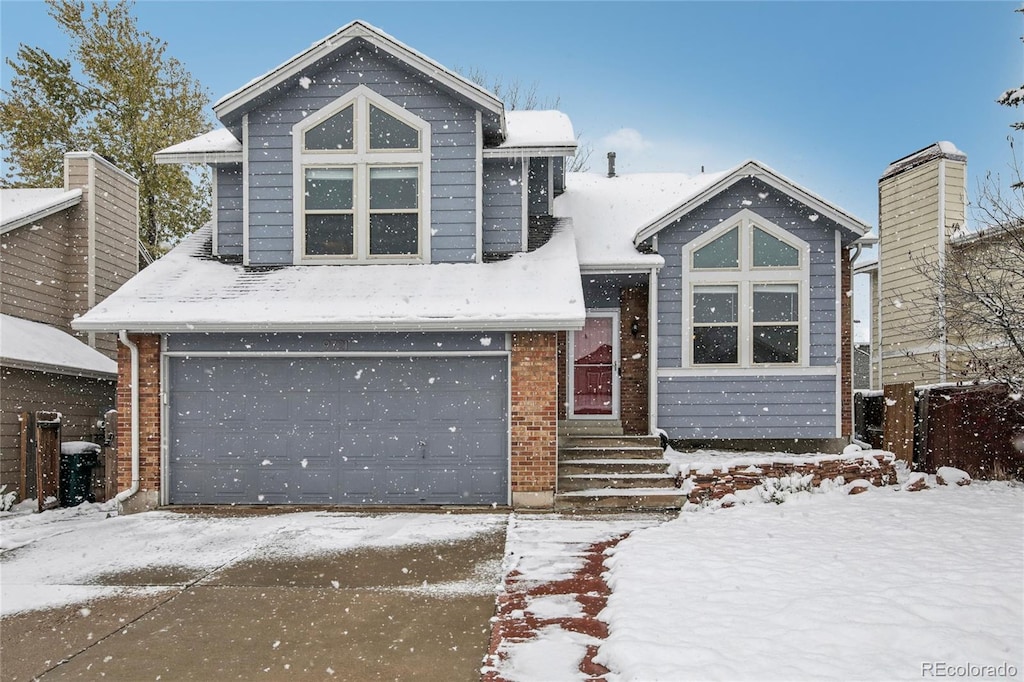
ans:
(394, 188)
(387, 132)
(771, 252)
(776, 344)
(717, 345)
(334, 133)
(776, 303)
(722, 253)
(394, 234)
(329, 189)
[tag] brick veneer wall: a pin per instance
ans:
(149, 416)
(534, 412)
(706, 484)
(634, 354)
(846, 338)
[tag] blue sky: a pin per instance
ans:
(827, 93)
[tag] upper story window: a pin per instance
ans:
(748, 298)
(361, 189)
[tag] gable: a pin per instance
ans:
(352, 38)
(850, 228)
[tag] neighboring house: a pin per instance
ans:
(62, 251)
(922, 207)
(403, 297)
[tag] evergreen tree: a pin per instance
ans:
(117, 93)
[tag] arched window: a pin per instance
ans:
(362, 182)
(747, 296)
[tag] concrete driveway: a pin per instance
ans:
(410, 612)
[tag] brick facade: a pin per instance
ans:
(149, 415)
(534, 412)
(846, 340)
(634, 355)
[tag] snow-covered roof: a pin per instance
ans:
(939, 150)
(36, 346)
(546, 133)
(186, 290)
(608, 213)
(216, 146)
(22, 206)
(613, 215)
(755, 169)
(233, 102)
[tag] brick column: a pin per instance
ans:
(534, 418)
(846, 338)
(149, 421)
(634, 352)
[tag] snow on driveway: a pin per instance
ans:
(59, 557)
(876, 586)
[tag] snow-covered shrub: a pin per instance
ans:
(778, 490)
(7, 498)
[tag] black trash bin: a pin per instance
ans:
(77, 459)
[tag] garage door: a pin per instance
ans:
(414, 430)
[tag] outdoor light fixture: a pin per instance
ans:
(635, 327)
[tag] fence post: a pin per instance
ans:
(898, 420)
(48, 459)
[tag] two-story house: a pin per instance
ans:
(403, 296)
(62, 251)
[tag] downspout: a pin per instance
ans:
(134, 349)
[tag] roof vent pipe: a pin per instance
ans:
(611, 164)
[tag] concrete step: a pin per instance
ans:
(590, 427)
(605, 465)
(619, 499)
(610, 441)
(621, 452)
(574, 482)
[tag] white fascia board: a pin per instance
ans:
(142, 327)
(57, 369)
(622, 268)
(66, 200)
(358, 29)
(183, 158)
(517, 152)
(767, 175)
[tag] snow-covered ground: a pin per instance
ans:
(876, 586)
(52, 559)
(826, 585)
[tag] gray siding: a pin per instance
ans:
(749, 406)
(778, 209)
(229, 209)
(329, 342)
(539, 201)
(453, 153)
(752, 407)
(503, 206)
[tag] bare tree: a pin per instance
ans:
(521, 96)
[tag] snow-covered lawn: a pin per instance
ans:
(876, 586)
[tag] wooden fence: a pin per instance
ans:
(979, 429)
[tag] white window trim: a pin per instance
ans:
(744, 278)
(360, 159)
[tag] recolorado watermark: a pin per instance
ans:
(967, 670)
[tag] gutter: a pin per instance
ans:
(125, 494)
